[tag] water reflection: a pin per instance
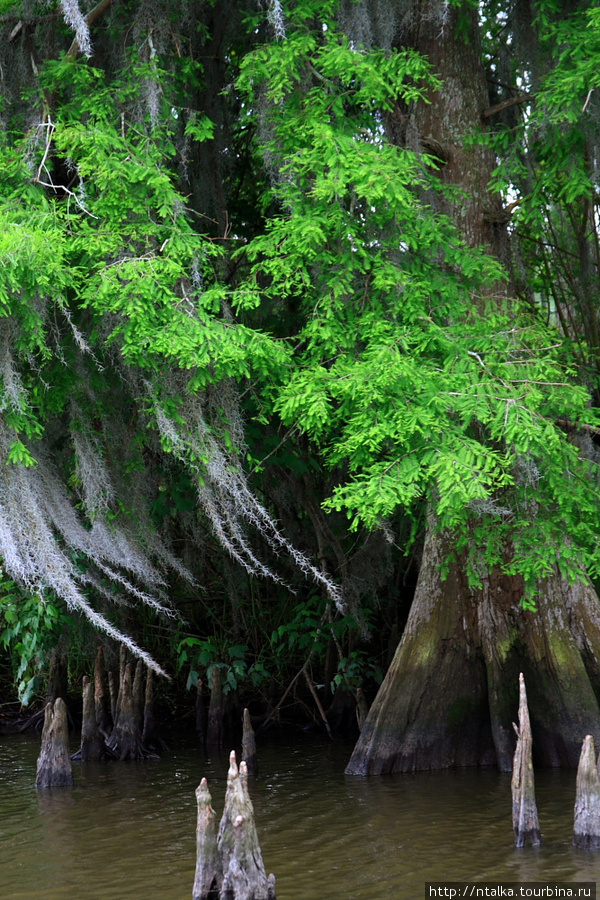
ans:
(127, 831)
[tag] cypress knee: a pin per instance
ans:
(249, 745)
(586, 831)
(54, 763)
(525, 817)
(126, 738)
(244, 876)
(92, 742)
(209, 874)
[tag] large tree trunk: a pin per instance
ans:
(452, 691)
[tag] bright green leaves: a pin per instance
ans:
(200, 128)
(29, 628)
(19, 455)
(410, 381)
(113, 236)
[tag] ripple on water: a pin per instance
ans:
(127, 831)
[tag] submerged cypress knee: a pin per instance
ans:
(586, 831)
(244, 875)
(54, 763)
(126, 738)
(525, 817)
(209, 872)
(249, 745)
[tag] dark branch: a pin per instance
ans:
(506, 104)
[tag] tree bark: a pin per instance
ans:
(249, 745)
(526, 825)
(149, 735)
(430, 710)
(449, 697)
(54, 763)
(209, 874)
(586, 829)
(103, 717)
(126, 738)
(244, 876)
(92, 742)
(57, 675)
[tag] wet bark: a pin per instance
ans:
(249, 745)
(430, 710)
(526, 825)
(244, 876)
(209, 874)
(103, 716)
(149, 736)
(57, 676)
(586, 830)
(112, 690)
(126, 738)
(92, 742)
(449, 697)
(54, 764)
(229, 866)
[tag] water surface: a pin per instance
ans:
(126, 831)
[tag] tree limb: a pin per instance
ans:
(506, 104)
(90, 18)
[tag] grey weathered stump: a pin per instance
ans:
(54, 764)
(586, 831)
(230, 866)
(244, 875)
(92, 742)
(209, 872)
(249, 745)
(526, 825)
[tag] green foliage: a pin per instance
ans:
(32, 626)
(203, 655)
(356, 670)
(337, 301)
(411, 374)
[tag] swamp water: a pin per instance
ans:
(127, 831)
